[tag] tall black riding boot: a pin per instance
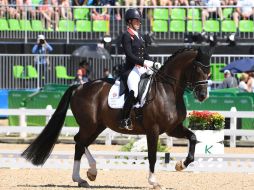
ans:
(129, 102)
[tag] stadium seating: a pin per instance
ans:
(177, 26)
(18, 71)
(4, 24)
(215, 71)
(66, 26)
(83, 26)
(246, 26)
(212, 26)
(228, 26)
(25, 25)
(61, 73)
(37, 26)
(194, 14)
(100, 26)
(194, 26)
(160, 22)
(14, 24)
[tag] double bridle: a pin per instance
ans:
(193, 85)
(190, 85)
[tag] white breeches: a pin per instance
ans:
(134, 78)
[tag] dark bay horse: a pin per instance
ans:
(164, 113)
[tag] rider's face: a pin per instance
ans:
(136, 24)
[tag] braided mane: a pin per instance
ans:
(178, 52)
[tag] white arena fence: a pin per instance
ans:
(11, 79)
(136, 161)
(109, 135)
(82, 26)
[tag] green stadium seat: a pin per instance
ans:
(3, 25)
(100, 26)
(37, 26)
(61, 73)
(194, 26)
(14, 24)
(161, 14)
(228, 26)
(81, 13)
(160, 26)
(18, 71)
(246, 26)
(178, 14)
(215, 71)
(212, 26)
(25, 25)
(31, 72)
(66, 26)
(227, 13)
(36, 2)
(83, 26)
(194, 14)
(177, 26)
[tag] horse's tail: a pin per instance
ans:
(40, 149)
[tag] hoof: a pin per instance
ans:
(90, 176)
(179, 166)
(84, 184)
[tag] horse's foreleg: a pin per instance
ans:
(92, 171)
(152, 140)
(182, 132)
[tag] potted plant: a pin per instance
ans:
(205, 120)
(207, 127)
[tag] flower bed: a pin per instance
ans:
(205, 120)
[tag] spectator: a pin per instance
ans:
(27, 10)
(243, 87)
(166, 3)
(56, 13)
(229, 81)
(244, 11)
(100, 13)
(65, 9)
(42, 48)
(3, 8)
(46, 11)
(106, 73)
(11, 8)
(250, 82)
(213, 10)
(83, 2)
(82, 73)
(147, 3)
(181, 3)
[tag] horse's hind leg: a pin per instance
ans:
(182, 132)
(83, 139)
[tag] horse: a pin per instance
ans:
(164, 112)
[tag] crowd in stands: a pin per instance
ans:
(50, 11)
(245, 83)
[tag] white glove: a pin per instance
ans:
(148, 63)
(157, 65)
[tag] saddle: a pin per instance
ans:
(118, 91)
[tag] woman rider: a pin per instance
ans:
(137, 62)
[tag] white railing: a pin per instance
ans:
(233, 114)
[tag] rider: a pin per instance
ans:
(137, 61)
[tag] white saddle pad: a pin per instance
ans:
(115, 101)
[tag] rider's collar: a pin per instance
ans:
(133, 32)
